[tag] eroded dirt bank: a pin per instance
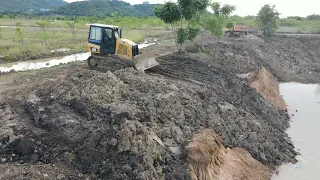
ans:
(264, 82)
(126, 124)
(208, 159)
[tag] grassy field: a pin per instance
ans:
(31, 41)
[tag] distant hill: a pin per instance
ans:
(27, 5)
(146, 9)
(105, 8)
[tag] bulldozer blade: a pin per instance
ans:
(145, 61)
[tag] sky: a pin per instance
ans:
(252, 7)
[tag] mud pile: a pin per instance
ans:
(209, 160)
(127, 124)
(288, 58)
(135, 125)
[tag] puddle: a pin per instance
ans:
(304, 131)
(61, 50)
(7, 26)
(145, 44)
(243, 76)
(44, 63)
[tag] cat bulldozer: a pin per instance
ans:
(105, 43)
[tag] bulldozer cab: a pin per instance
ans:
(105, 37)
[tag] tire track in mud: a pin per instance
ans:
(181, 67)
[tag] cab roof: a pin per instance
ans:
(101, 25)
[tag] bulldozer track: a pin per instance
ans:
(103, 63)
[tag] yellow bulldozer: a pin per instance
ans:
(105, 43)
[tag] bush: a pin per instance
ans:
(267, 19)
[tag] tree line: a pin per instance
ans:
(99, 8)
(188, 18)
(28, 5)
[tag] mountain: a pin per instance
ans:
(27, 5)
(146, 9)
(105, 8)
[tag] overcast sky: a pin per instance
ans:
(251, 7)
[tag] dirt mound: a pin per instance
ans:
(264, 82)
(209, 160)
(132, 125)
(293, 58)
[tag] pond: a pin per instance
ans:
(304, 104)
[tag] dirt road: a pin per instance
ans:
(124, 124)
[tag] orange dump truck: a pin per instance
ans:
(236, 29)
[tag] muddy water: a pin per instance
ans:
(49, 62)
(304, 131)
(43, 63)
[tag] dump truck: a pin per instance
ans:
(236, 29)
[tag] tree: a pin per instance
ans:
(217, 22)
(0, 33)
(185, 10)
(313, 17)
(20, 36)
(213, 21)
(44, 25)
(72, 28)
(169, 13)
(19, 33)
(267, 19)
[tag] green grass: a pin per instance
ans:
(58, 36)
(34, 44)
(301, 26)
(134, 28)
(125, 22)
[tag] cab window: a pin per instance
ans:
(116, 34)
(95, 33)
(109, 33)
